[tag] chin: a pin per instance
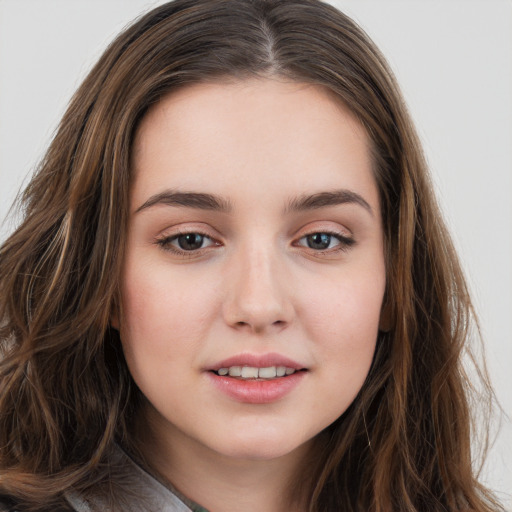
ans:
(261, 447)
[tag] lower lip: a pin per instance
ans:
(257, 391)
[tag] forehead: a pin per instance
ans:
(251, 131)
(263, 99)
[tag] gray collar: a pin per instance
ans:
(149, 494)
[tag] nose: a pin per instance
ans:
(258, 298)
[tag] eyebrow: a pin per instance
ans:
(196, 200)
(324, 199)
(203, 201)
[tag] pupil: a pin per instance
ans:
(190, 241)
(319, 241)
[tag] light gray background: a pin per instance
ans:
(453, 59)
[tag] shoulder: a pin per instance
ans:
(8, 504)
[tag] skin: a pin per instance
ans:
(254, 286)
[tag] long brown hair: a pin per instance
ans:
(65, 392)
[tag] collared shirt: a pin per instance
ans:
(158, 496)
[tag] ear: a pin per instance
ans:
(386, 322)
(114, 322)
(114, 315)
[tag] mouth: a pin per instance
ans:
(247, 366)
(246, 373)
(257, 378)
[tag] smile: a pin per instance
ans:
(251, 372)
(257, 379)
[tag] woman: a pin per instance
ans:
(232, 288)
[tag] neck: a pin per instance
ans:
(219, 482)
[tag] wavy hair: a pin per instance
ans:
(66, 395)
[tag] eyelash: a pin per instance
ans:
(344, 242)
(166, 243)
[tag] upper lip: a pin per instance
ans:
(257, 361)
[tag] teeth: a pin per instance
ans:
(251, 372)
(267, 373)
(235, 371)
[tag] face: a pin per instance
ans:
(254, 273)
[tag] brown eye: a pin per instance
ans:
(186, 242)
(190, 241)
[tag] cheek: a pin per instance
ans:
(164, 314)
(345, 309)
(343, 321)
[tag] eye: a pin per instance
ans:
(325, 241)
(186, 242)
(190, 241)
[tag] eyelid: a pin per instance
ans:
(344, 241)
(164, 241)
(333, 229)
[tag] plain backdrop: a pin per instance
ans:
(453, 59)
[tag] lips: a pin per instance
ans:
(253, 372)
(257, 361)
(256, 379)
